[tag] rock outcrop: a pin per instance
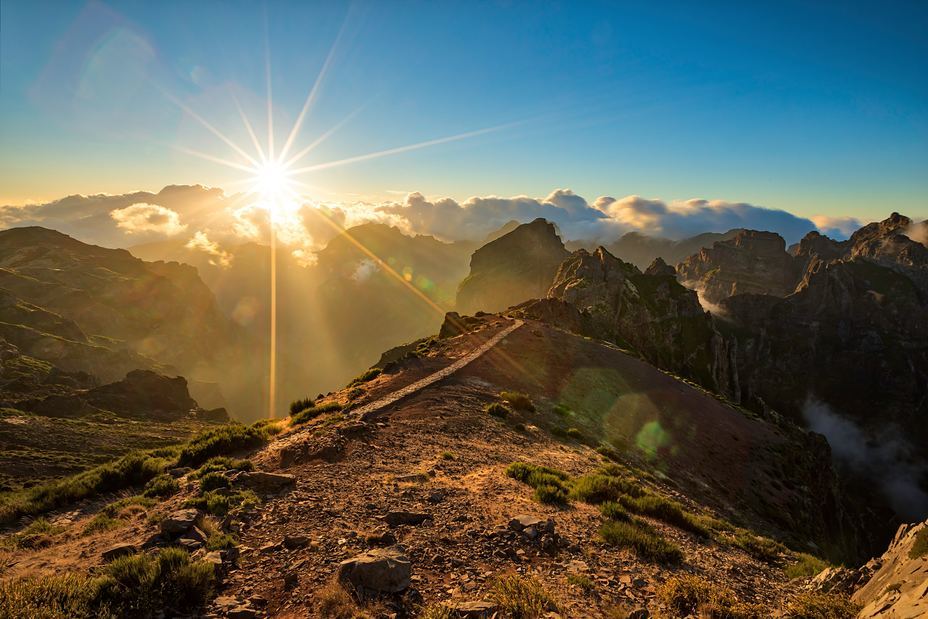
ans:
(899, 585)
(514, 268)
(750, 263)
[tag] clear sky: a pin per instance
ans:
(813, 107)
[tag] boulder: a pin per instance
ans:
(179, 521)
(383, 570)
(263, 482)
(475, 610)
(295, 541)
(395, 519)
(524, 522)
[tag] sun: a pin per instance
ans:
(272, 184)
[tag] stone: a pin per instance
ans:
(292, 542)
(214, 557)
(119, 550)
(263, 482)
(395, 519)
(475, 610)
(383, 570)
(381, 539)
(291, 580)
(524, 521)
(242, 612)
(179, 521)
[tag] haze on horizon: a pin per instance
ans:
(612, 118)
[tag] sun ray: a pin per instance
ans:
(270, 98)
(210, 127)
(208, 157)
(399, 149)
(322, 138)
(313, 94)
(249, 128)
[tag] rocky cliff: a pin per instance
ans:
(516, 267)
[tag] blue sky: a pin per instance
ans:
(816, 108)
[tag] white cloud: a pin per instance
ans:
(144, 217)
(836, 227)
(200, 242)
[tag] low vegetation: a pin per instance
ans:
(367, 376)
(298, 406)
(602, 486)
(308, 414)
(498, 410)
(761, 548)
(920, 548)
(225, 440)
(518, 401)
(522, 597)
(821, 605)
(806, 566)
(643, 539)
(666, 510)
(132, 586)
(161, 486)
(551, 485)
(689, 594)
(37, 534)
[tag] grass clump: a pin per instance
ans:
(562, 411)
(498, 410)
(517, 400)
(581, 580)
(36, 535)
(448, 455)
(161, 486)
(221, 441)
(550, 484)
(133, 586)
(298, 406)
(762, 548)
(220, 464)
(806, 567)
(221, 502)
(116, 507)
(691, 595)
(133, 469)
(522, 597)
(311, 413)
(367, 376)
(596, 488)
(667, 511)
(644, 540)
(214, 481)
(614, 511)
(575, 434)
(920, 548)
(102, 522)
(821, 606)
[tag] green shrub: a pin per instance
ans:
(607, 451)
(369, 375)
(221, 502)
(221, 464)
(161, 486)
(521, 471)
(132, 586)
(597, 488)
(214, 481)
(920, 548)
(666, 510)
(221, 441)
(581, 580)
(613, 511)
(562, 411)
(311, 413)
(447, 455)
(820, 606)
(646, 542)
(354, 393)
(761, 548)
(133, 469)
(220, 541)
(102, 522)
(298, 406)
(806, 566)
(575, 434)
(551, 494)
(522, 597)
(518, 401)
(36, 534)
(498, 410)
(691, 595)
(114, 508)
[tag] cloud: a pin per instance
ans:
(200, 242)
(889, 459)
(138, 217)
(144, 217)
(837, 227)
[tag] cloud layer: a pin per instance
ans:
(208, 220)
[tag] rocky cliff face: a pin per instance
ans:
(647, 312)
(750, 263)
(514, 268)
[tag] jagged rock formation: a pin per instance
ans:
(750, 263)
(898, 586)
(641, 250)
(650, 313)
(516, 267)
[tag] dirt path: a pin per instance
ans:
(371, 408)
